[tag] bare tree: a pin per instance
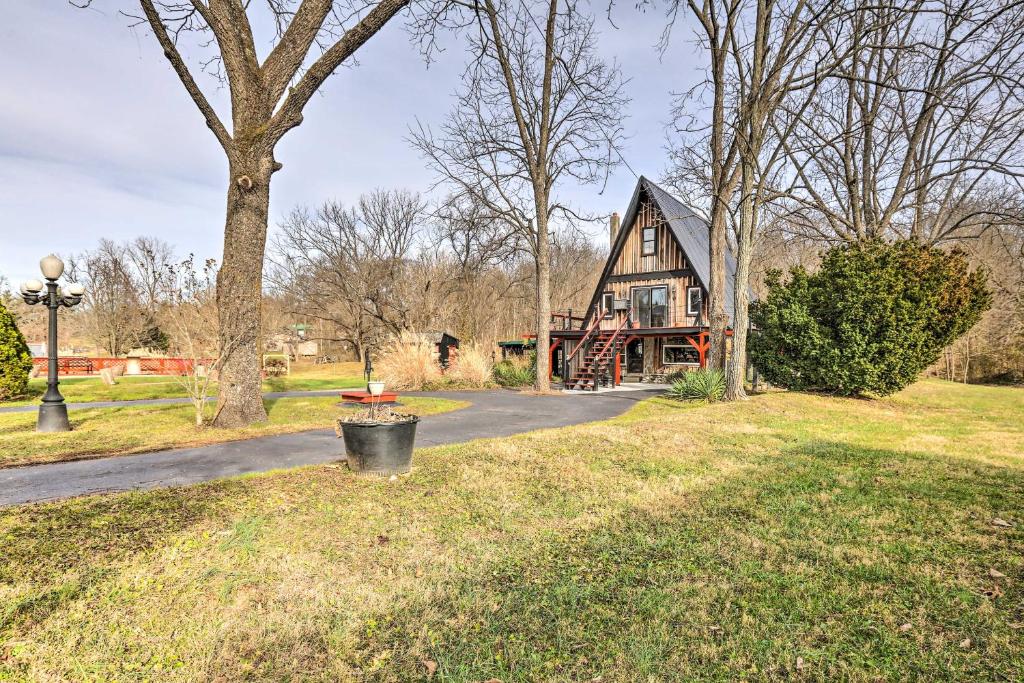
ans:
(313, 38)
(151, 258)
(489, 283)
(718, 169)
(126, 284)
(537, 107)
(352, 267)
(918, 126)
(191, 318)
(767, 52)
(795, 45)
(994, 349)
(451, 270)
(112, 312)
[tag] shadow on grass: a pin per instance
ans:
(35, 393)
(67, 547)
(819, 553)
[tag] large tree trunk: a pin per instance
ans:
(718, 320)
(543, 303)
(239, 291)
(734, 389)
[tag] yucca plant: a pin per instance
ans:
(699, 385)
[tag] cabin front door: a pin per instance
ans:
(635, 357)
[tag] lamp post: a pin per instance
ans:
(53, 412)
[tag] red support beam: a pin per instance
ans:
(551, 358)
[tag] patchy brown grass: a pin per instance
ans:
(788, 537)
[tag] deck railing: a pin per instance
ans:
(593, 339)
(566, 320)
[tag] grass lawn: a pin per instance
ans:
(788, 537)
(147, 428)
(83, 389)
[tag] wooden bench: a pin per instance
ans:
(361, 396)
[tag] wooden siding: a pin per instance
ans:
(667, 256)
(677, 316)
(631, 266)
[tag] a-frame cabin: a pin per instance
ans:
(648, 315)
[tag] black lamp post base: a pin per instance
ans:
(53, 417)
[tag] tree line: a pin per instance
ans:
(367, 273)
(846, 121)
(391, 264)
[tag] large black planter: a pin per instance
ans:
(379, 449)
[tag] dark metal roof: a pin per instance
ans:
(691, 232)
(438, 337)
(694, 235)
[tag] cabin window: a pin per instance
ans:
(607, 303)
(693, 301)
(650, 306)
(679, 354)
(650, 242)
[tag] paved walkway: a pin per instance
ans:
(491, 414)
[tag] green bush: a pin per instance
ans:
(15, 359)
(870, 320)
(698, 385)
(515, 372)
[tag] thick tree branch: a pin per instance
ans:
(290, 113)
(178, 64)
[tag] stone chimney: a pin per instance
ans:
(613, 228)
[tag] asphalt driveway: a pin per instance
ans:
(491, 414)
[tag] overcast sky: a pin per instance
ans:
(99, 139)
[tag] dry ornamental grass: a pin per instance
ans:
(471, 367)
(408, 364)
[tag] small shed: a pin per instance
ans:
(517, 347)
(443, 343)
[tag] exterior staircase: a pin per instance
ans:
(601, 352)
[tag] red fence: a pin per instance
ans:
(74, 365)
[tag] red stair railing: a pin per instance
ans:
(596, 359)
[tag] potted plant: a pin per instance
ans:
(378, 440)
